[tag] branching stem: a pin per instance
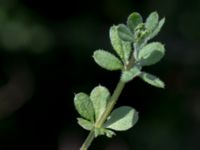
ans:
(109, 108)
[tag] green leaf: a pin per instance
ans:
(122, 48)
(125, 33)
(128, 75)
(87, 125)
(116, 41)
(84, 106)
(152, 80)
(151, 54)
(158, 28)
(99, 97)
(122, 118)
(133, 20)
(107, 60)
(152, 21)
(127, 49)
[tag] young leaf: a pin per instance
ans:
(140, 37)
(152, 80)
(116, 41)
(151, 54)
(99, 97)
(122, 118)
(87, 125)
(128, 75)
(158, 28)
(133, 20)
(152, 21)
(125, 33)
(84, 106)
(107, 60)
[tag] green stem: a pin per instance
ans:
(109, 108)
(88, 141)
(111, 104)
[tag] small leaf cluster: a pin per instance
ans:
(131, 43)
(91, 107)
(133, 50)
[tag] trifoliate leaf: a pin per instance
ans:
(99, 97)
(133, 20)
(158, 28)
(87, 125)
(152, 21)
(152, 80)
(128, 75)
(122, 118)
(107, 60)
(116, 41)
(125, 33)
(151, 54)
(84, 106)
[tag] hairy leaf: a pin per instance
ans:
(152, 80)
(122, 48)
(99, 97)
(151, 54)
(158, 28)
(107, 60)
(84, 106)
(116, 41)
(152, 21)
(125, 33)
(133, 20)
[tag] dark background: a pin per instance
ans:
(45, 57)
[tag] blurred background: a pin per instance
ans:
(45, 57)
